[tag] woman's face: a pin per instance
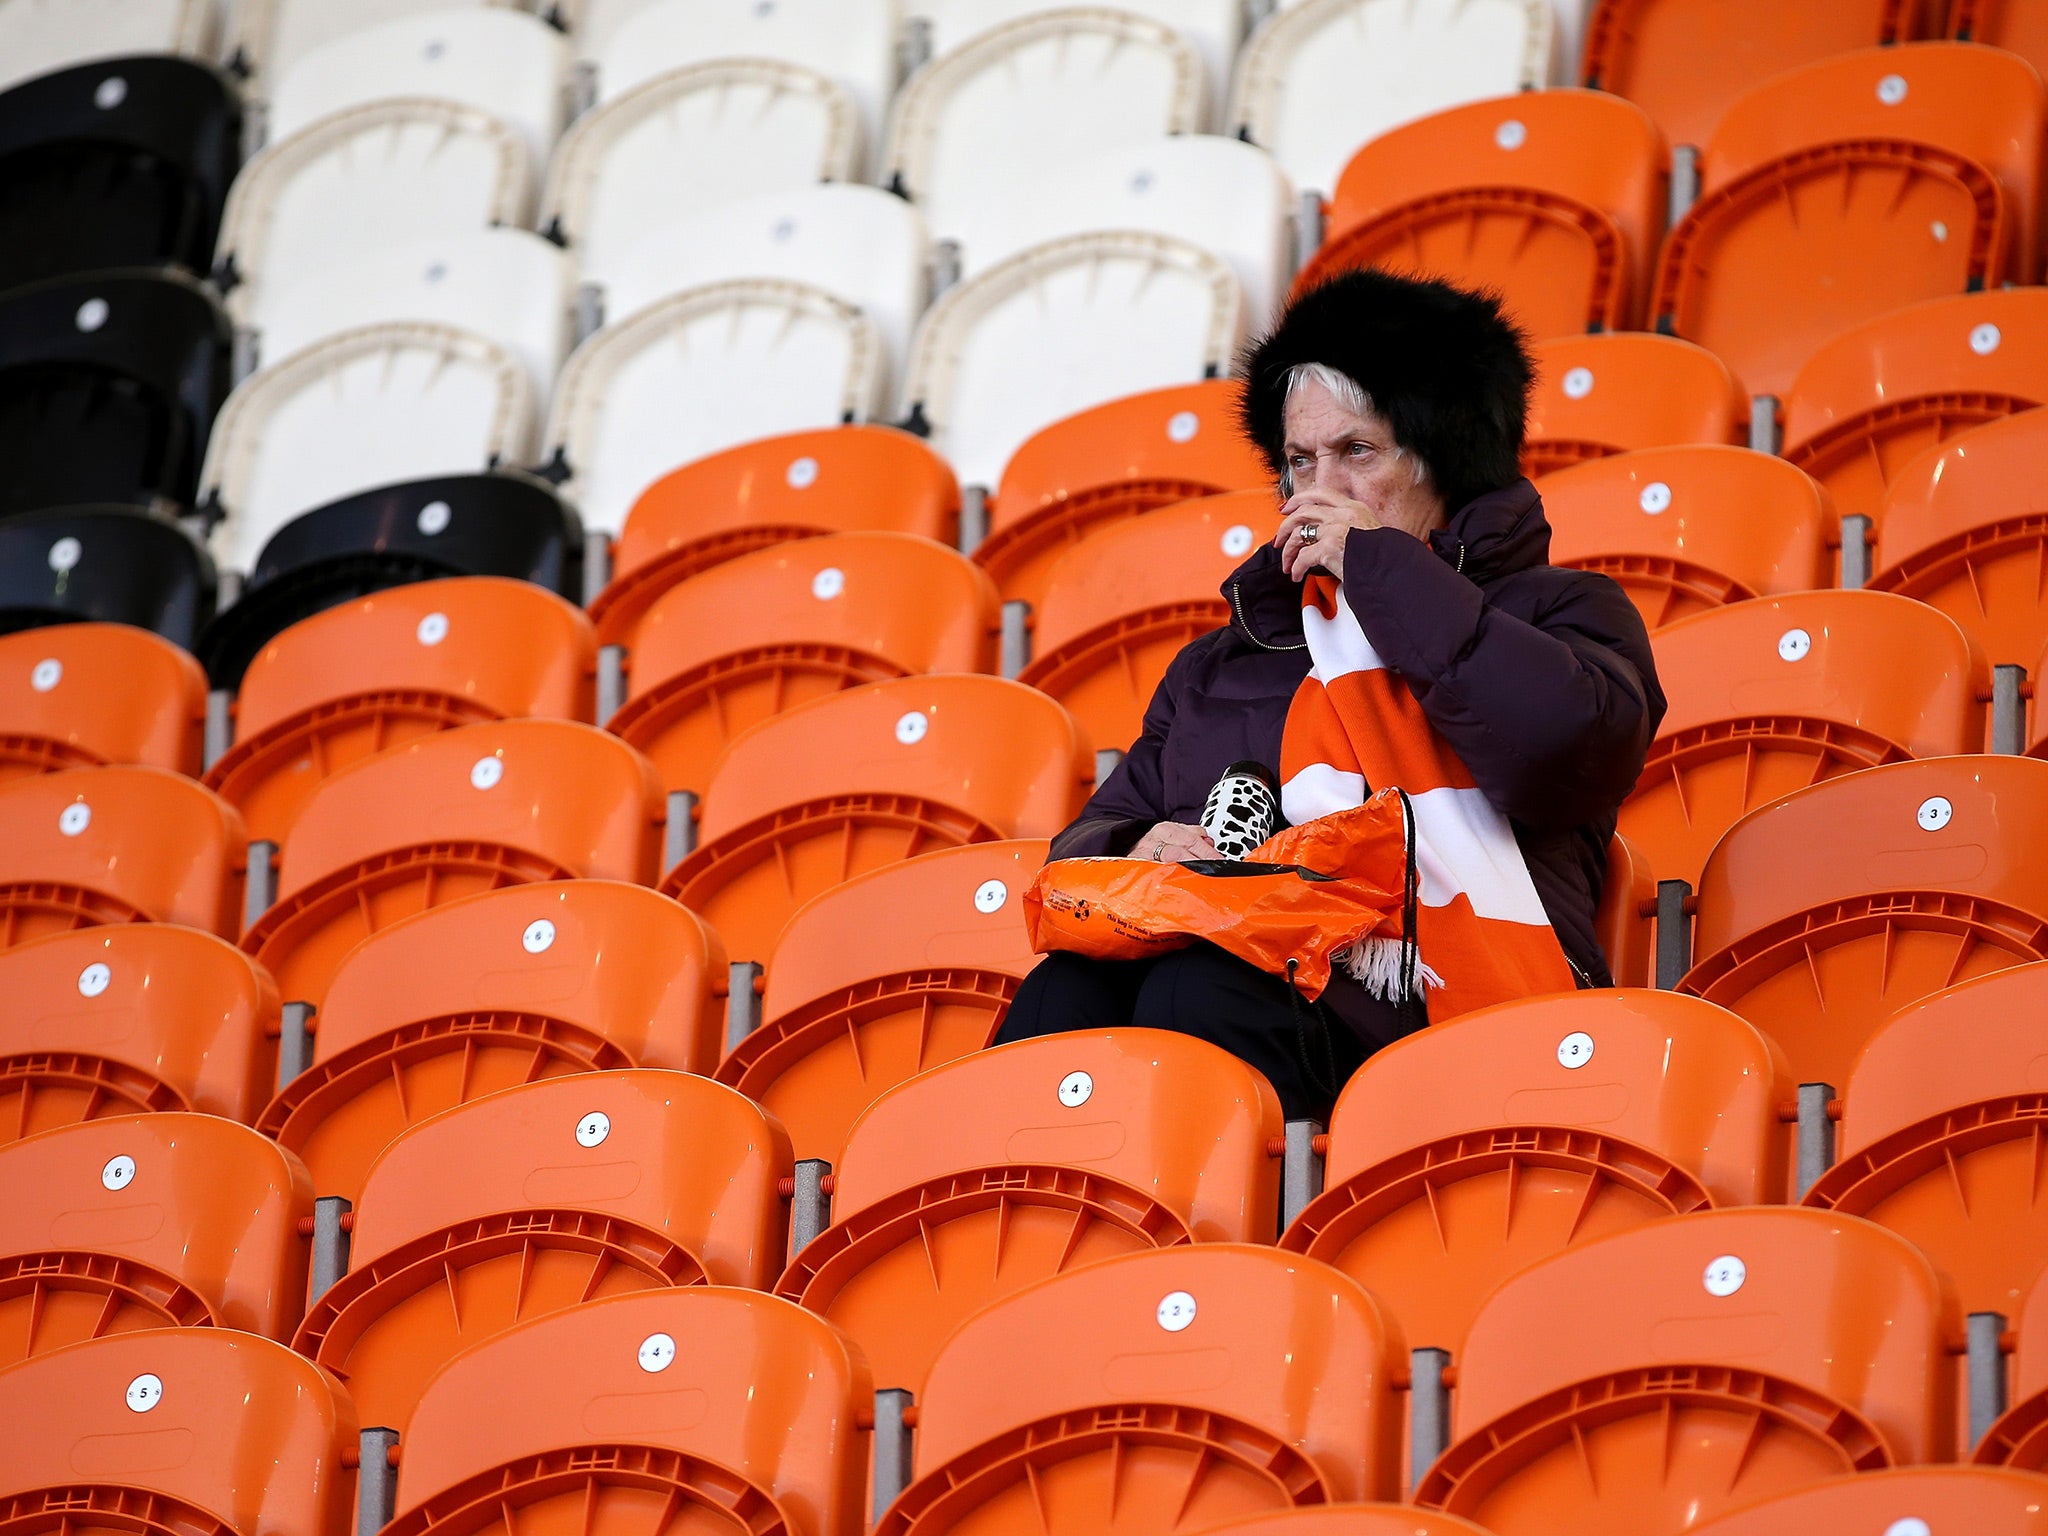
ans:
(1334, 449)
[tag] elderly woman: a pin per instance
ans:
(1392, 413)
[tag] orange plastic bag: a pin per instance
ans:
(1302, 895)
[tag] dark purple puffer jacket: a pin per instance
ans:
(1539, 677)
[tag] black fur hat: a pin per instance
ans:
(1446, 368)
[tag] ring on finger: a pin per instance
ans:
(1309, 532)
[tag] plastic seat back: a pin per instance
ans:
(769, 630)
(694, 138)
(981, 1175)
(859, 779)
(1876, 397)
(41, 36)
(705, 369)
(368, 676)
(1963, 530)
(535, 981)
(2019, 1437)
(2002, 24)
(149, 1221)
(107, 565)
(79, 695)
(137, 1016)
(267, 37)
(1628, 895)
(81, 1432)
(494, 58)
(1908, 152)
(1321, 77)
(1022, 97)
(1111, 461)
(1206, 1381)
(840, 480)
(852, 1009)
(1770, 696)
(123, 844)
(1687, 530)
(446, 816)
(1062, 326)
(1554, 199)
(1120, 604)
(1460, 1156)
(770, 1397)
(541, 1197)
(1911, 877)
(1685, 61)
(1352, 1520)
(1905, 1498)
(372, 177)
(1766, 1349)
(1597, 395)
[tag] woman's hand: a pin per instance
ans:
(1313, 526)
(1174, 842)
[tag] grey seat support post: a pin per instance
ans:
(946, 268)
(294, 1041)
(2008, 709)
(1816, 1134)
(259, 889)
(973, 517)
(589, 311)
(611, 681)
(1429, 1410)
(1763, 423)
(1016, 638)
(892, 1447)
(330, 1244)
(1308, 226)
(1301, 1170)
(1987, 1372)
(1685, 183)
(743, 1003)
(1855, 552)
(1674, 933)
(810, 1208)
(377, 1481)
(680, 837)
(1107, 761)
(220, 726)
(597, 563)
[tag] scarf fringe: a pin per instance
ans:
(1388, 969)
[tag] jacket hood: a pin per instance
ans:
(1490, 538)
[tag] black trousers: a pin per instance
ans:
(1201, 991)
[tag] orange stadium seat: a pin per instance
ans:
(1965, 528)
(449, 815)
(135, 1016)
(2037, 735)
(2013, 25)
(1031, 1159)
(187, 1429)
(124, 844)
(855, 780)
(1113, 461)
(1554, 199)
(375, 673)
(1686, 530)
(1905, 1500)
(2019, 1438)
(1647, 1382)
(1120, 604)
(1824, 913)
(149, 1221)
(767, 630)
(1459, 1156)
(535, 981)
(706, 1409)
(523, 1202)
(1596, 395)
(78, 695)
(1621, 922)
(1771, 696)
(1353, 1520)
(1685, 61)
(839, 480)
(853, 1007)
(1940, 1120)
(1874, 398)
(1839, 191)
(1179, 1388)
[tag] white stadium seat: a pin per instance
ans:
(1215, 27)
(1221, 194)
(1321, 77)
(1034, 93)
(857, 243)
(509, 64)
(267, 37)
(701, 370)
(39, 36)
(372, 406)
(688, 141)
(851, 42)
(1061, 327)
(375, 176)
(509, 285)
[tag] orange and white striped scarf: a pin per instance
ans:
(1480, 933)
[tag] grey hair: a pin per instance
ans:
(1352, 396)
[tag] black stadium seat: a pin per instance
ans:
(113, 565)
